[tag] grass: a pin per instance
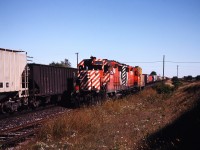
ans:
(99, 127)
(120, 124)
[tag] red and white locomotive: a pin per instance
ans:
(108, 77)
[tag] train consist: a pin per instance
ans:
(24, 85)
(102, 77)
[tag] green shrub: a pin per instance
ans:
(162, 88)
(198, 77)
(176, 82)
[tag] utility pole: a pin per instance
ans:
(77, 59)
(163, 67)
(177, 71)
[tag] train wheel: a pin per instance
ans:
(92, 100)
(77, 102)
(98, 98)
(59, 98)
(2, 108)
(47, 100)
(34, 103)
(9, 107)
(13, 107)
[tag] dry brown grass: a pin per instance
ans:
(119, 124)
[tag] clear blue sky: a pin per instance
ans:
(122, 30)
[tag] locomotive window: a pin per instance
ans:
(80, 67)
(97, 67)
(106, 68)
(7, 84)
(127, 69)
(119, 68)
(1, 84)
(98, 63)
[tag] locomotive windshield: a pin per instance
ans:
(97, 67)
(90, 65)
(98, 63)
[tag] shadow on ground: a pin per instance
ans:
(183, 133)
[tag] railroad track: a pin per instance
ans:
(13, 134)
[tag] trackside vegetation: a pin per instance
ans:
(120, 124)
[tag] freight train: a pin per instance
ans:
(24, 85)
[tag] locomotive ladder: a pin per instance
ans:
(25, 82)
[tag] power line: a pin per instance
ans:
(144, 62)
(189, 62)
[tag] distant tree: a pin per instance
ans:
(153, 73)
(189, 78)
(198, 77)
(64, 63)
(174, 79)
(176, 82)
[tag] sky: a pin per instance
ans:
(135, 32)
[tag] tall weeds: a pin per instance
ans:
(113, 125)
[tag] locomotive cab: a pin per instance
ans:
(90, 73)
